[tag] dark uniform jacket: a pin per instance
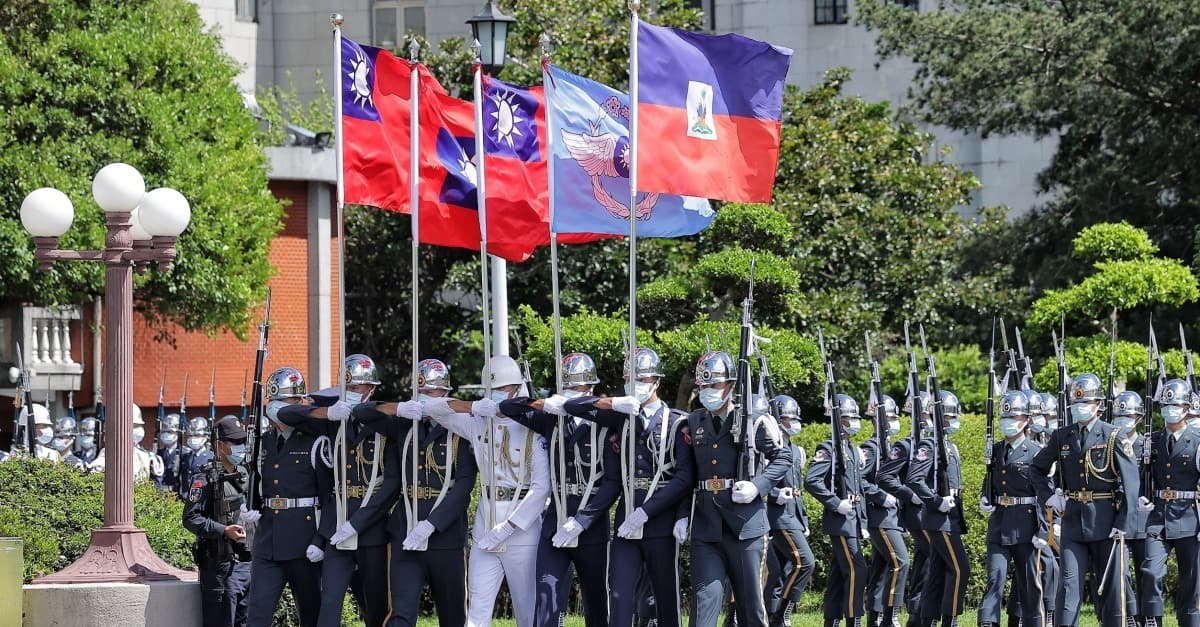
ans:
(171, 467)
(577, 439)
(1174, 471)
(717, 457)
(822, 483)
(1104, 465)
(450, 516)
(200, 514)
(891, 477)
(1013, 477)
(879, 516)
(677, 482)
(1139, 520)
(792, 516)
(921, 480)
(290, 471)
(360, 452)
(190, 463)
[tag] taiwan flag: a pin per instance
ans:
(709, 113)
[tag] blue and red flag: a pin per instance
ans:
(709, 113)
(590, 149)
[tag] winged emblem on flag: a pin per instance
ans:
(603, 154)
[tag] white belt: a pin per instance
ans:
(1010, 501)
(1172, 495)
(278, 503)
(715, 485)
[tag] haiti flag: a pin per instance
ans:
(589, 125)
(709, 113)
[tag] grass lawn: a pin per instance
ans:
(805, 619)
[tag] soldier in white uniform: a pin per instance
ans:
(514, 471)
(43, 430)
(143, 461)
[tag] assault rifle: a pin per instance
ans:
(914, 394)
(877, 401)
(941, 461)
(743, 388)
(256, 409)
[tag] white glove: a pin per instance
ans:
(566, 533)
(339, 411)
(889, 501)
(343, 532)
(1144, 504)
(248, 517)
(680, 530)
(785, 496)
(1040, 544)
(946, 505)
(484, 407)
(844, 507)
(554, 405)
(626, 405)
(314, 554)
(986, 507)
(1058, 502)
(411, 410)
(496, 536)
(914, 499)
(418, 538)
(744, 492)
(1117, 534)
(1057, 530)
(633, 524)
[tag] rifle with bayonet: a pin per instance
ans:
(1027, 372)
(1110, 396)
(23, 434)
(740, 414)
(941, 485)
(1187, 361)
(877, 401)
(256, 409)
(183, 400)
(990, 412)
(914, 394)
(1147, 451)
(1011, 355)
(212, 402)
(838, 461)
(162, 410)
(526, 373)
(242, 408)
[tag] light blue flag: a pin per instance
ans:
(589, 123)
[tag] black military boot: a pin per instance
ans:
(1157, 621)
(988, 624)
(890, 617)
(872, 618)
(1014, 621)
(833, 622)
(949, 621)
(786, 619)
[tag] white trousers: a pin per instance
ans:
(485, 571)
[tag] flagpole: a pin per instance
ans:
(631, 440)
(340, 443)
(481, 193)
(414, 199)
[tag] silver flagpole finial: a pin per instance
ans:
(476, 48)
(414, 48)
(544, 42)
(634, 5)
(336, 19)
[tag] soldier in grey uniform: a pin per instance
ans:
(432, 548)
(1128, 411)
(729, 515)
(949, 569)
(790, 560)
(888, 569)
(1096, 501)
(1173, 520)
(287, 546)
(1016, 526)
(844, 519)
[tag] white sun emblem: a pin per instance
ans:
(359, 86)
(467, 166)
(507, 116)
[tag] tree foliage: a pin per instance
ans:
(86, 83)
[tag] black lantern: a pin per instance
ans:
(490, 29)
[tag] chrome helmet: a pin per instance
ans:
(433, 374)
(1014, 403)
(949, 401)
(579, 369)
(361, 369)
(66, 427)
(1174, 392)
(1049, 404)
(789, 409)
(1128, 404)
(715, 367)
(848, 406)
(285, 382)
(1086, 388)
(890, 409)
(1034, 401)
(648, 364)
(198, 427)
(926, 403)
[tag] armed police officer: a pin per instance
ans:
(1098, 480)
(428, 528)
(790, 561)
(214, 512)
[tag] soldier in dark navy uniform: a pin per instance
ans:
(1096, 500)
(197, 452)
(169, 450)
(949, 569)
(651, 516)
(215, 512)
(891, 477)
(433, 547)
(363, 486)
(888, 569)
(1173, 520)
(844, 519)
(1128, 411)
(729, 514)
(790, 560)
(576, 482)
(1016, 526)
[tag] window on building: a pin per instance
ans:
(246, 10)
(395, 19)
(915, 5)
(830, 12)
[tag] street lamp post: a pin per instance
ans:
(142, 228)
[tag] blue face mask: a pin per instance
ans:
(712, 399)
(499, 396)
(569, 393)
(1172, 414)
(1083, 412)
(791, 430)
(893, 427)
(854, 426)
(1010, 427)
(1125, 424)
(954, 426)
(237, 454)
(1038, 424)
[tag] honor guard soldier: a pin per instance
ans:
(648, 457)
(1016, 528)
(169, 450)
(214, 511)
(66, 429)
(948, 571)
(196, 454)
(1173, 520)
(1098, 480)
(891, 478)
(844, 519)
(576, 472)
(428, 543)
(790, 560)
(888, 571)
(89, 448)
(729, 514)
(287, 546)
(1128, 411)
(363, 494)
(515, 473)
(43, 429)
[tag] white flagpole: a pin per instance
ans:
(414, 197)
(633, 160)
(339, 481)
